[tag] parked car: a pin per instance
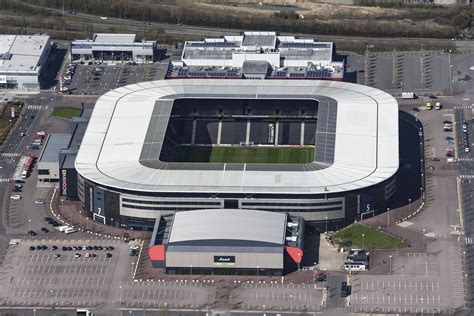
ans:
(15, 197)
(416, 109)
(44, 230)
(57, 255)
(32, 233)
(108, 255)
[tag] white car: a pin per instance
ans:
(104, 18)
(39, 202)
(472, 68)
(15, 197)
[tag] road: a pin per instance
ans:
(15, 145)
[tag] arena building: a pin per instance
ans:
(326, 151)
(258, 55)
(227, 241)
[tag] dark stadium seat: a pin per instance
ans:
(233, 132)
(289, 132)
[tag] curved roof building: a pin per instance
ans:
(355, 138)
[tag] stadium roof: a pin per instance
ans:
(228, 224)
(361, 148)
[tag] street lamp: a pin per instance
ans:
(29, 226)
(423, 237)
(388, 216)
(112, 219)
(409, 206)
(191, 266)
(363, 241)
(258, 269)
(390, 263)
(326, 218)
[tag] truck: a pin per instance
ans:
(429, 106)
(408, 95)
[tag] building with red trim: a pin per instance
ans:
(227, 241)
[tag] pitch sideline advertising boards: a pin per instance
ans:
(224, 261)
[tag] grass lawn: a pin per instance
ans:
(237, 154)
(373, 239)
(66, 112)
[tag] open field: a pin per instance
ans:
(293, 155)
(365, 237)
(66, 112)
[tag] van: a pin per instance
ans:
(24, 174)
(451, 160)
(69, 230)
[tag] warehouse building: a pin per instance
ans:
(227, 241)
(112, 48)
(258, 55)
(22, 60)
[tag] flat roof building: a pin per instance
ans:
(284, 55)
(22, 60)
(224, 241)
(48, 162)
(106, 47)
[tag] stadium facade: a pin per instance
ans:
(125, 178)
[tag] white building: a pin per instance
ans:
(113, 47)
(22, 60)
(282, 53)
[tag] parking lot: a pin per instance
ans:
(278, 297)
(420, 72)
(62, 278)
(393, 294)
(166, 294)
(96, 79)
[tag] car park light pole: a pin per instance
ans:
(29, 226)
(409, 206)
(388, 216)
(363, 241)
(258, 269)
(326, 218)
(390, 263)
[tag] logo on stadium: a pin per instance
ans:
(224, 260)
(64, 181)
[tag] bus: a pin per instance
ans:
(355, 266)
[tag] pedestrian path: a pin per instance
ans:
(462, 106)
(10, 154)
(37, 107)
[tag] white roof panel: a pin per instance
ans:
(228, 224)
(366, 139)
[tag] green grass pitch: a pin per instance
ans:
(241, 154)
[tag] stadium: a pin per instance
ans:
(324, 151)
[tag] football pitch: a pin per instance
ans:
(241, 154)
